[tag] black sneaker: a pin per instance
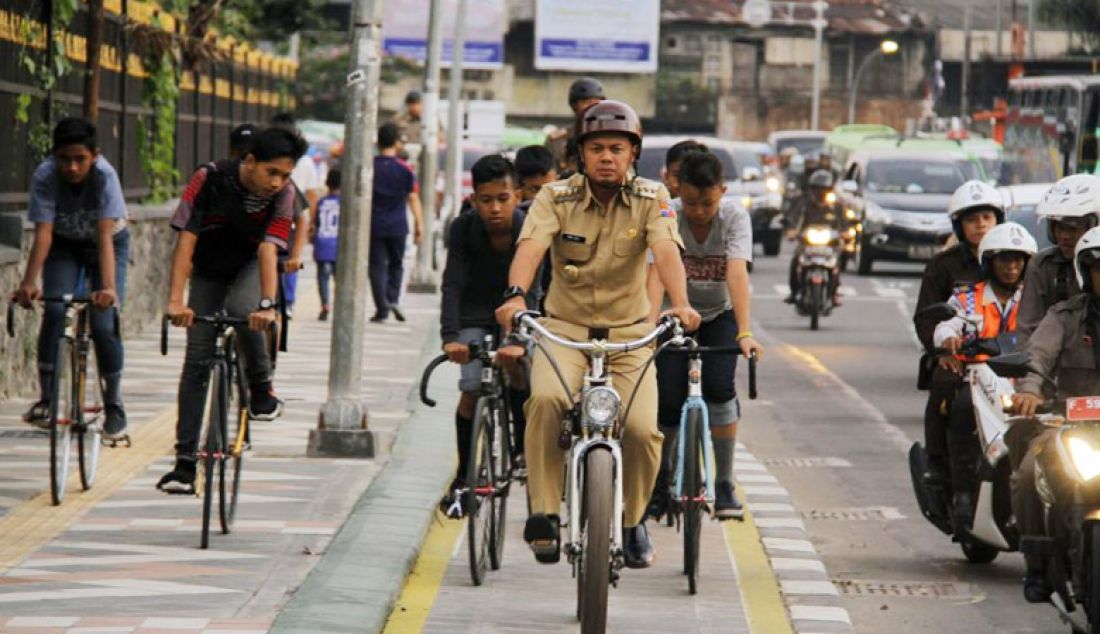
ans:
(263, 405)
(637, 549)
(1037, 588)
(451, 506)
(726, 504)
(114, 422)
(323, 316)
(38, 414)
(180, 480)
(397, 314)
(377, 318)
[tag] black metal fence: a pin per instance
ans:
(247, 85)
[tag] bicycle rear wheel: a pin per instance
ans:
(235, 433)
(62, 414)
(694, 489)
(595, 566)
(502, 468)
(214, 425)
(91, 407)
(479, 500)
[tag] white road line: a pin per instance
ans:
(808, 587)
(782, 290)
(890, 293)
(779, 522)
(820, 613)
(793, 545)
(797, 565)
(907, 316)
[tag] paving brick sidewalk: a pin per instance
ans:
(130, 562)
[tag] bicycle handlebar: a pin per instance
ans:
(68, 300)
(697, 349)
(224, 321)
(426, 376)
(526, 321)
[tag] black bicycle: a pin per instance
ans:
(491, 470)
(226, 432)
(73, 410)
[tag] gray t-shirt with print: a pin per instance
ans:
(730, 238)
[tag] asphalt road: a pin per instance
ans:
(848, 391)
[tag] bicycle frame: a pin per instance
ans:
(695, 401)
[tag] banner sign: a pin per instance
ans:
(611, 36)
(405, 31)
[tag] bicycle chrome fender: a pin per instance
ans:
(578, 453)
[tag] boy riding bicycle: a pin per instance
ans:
(717, 249)
(233, 218)
(482, 245)
(80, 235)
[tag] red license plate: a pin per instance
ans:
(1083, 408)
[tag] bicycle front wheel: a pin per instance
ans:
(479, 500)
(502, 469)
(595, 565)
(214, 424)
(62, 414)
(694, 491)
(235, 432)
(90, 404)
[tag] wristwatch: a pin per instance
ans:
(266, 304)
(514, 291)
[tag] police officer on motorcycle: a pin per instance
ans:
(1066, 347)
(818, 206)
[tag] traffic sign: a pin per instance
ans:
(756, 13)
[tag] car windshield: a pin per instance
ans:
(653, 159)
(804, 145)
(1025, 215)
(913, 176)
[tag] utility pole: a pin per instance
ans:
(819, 30)
(453, 188)
(1031, 29)
(999, 29)
(423, 278)
(342, 427)
(964, 106)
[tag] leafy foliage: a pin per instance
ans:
(1082, 17)
(46, 66)
(157, 151)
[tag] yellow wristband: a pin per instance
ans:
(743, 335)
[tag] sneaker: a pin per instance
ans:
(397, 314)
(323, 316)
(637, 548)
(1037, 588)
(263, 405)
(38, 414)
(377, 318)
(114, 422)
(180, 480)
(789, 299)
(726, 504)
(451, 505)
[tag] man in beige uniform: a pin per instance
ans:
(597, 225)
(408, 120)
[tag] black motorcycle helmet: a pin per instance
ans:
(585, 88)
(821, 178)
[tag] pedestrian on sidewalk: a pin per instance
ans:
(232, 220)
(81, 246)
(395, 193)
(326, 226)
(308, 188)
(482, 245)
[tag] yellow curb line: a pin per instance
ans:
(35, 522)
(756, 580)
(422, 585)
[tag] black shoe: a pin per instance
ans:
(377, 318)
(38, 414)
(180, 480)
(543, 534)
(962, 512)
(263, 405)
(937, 475)
(1037, 588)
(726, 504)
(114, 422)
(789, 299)
(659, 499)
(637, 548)
(397, 314)
(323, 316)
(452, 504)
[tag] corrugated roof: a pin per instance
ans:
(843, 16)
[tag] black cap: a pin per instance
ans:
(585, 88)
(413, 96)
(241, 135)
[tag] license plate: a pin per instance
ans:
(1083, 408)
(923, 251)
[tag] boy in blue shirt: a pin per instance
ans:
(326, 224)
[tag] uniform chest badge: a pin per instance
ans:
(571, 272)
(667, 211)
(631, 232)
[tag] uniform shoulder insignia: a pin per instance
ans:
(644, 188)
(564, 192)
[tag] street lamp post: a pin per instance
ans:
(887, 47)
(819, 32)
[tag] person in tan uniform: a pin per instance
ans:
(597, 225)
(408, 120)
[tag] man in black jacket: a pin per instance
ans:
(480, 250)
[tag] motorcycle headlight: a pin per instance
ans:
(1084, 457)
(747, 202)
(830, 198)
(601, 406)
(818, 237)
(772, 183)
(850, 214)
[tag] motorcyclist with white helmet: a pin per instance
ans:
(987, 309)
(1065, 346)
(975, 208)
(1068, 209)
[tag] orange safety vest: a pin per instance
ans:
(993, 322)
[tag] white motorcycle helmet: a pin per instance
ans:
(798, 164)
(1086, 252)
(1073, 197)
(1006, 237)
(974, 194)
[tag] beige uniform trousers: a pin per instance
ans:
(548, 404)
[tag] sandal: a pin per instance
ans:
(543, 534)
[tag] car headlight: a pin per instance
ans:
(601, 406)
(772, 183)
(746, 201)
(1085, 457)
(818, 237)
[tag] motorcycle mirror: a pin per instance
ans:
(751, 173)
(1010, 366)
(940, 312)
(849, 187)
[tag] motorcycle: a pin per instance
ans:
(1066, 471)
(992, 529)
(817, 272)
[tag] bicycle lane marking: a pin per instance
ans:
(756, 580)
(411, 611)
(35, 522)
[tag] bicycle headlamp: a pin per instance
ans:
(601, 406)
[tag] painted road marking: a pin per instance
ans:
(755, 579)
(411, 611)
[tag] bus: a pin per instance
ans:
(1051, 128)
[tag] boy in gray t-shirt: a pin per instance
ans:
(717, 239)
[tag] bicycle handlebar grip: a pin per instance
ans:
(11, 319)
(164, 335)
(117, 324)
(752, 376)
(426, 376)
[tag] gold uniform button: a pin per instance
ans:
(631, 232)
(571, 272)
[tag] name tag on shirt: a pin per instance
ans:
(571, 237)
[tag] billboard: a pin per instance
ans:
(610, 36)
(405, 31)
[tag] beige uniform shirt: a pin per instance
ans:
(409, 126)
(598, 253)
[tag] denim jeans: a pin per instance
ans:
(385, 268)
(239, 297)
(326, 271)
(68, 267)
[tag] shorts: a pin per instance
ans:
(470, 380)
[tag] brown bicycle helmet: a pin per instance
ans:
(610, 116)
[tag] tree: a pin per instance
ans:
(1081, 17)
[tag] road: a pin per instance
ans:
(837, 413)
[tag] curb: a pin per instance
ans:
(356, 583)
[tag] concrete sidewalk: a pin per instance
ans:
(123, 557)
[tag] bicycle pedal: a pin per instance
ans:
(113, 443)
(192, 491)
